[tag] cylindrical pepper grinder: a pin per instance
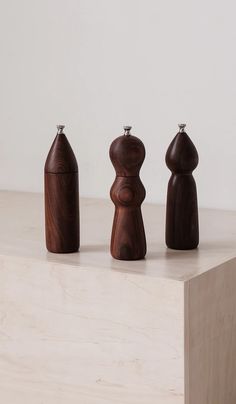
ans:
(61, 197)
(128, 240)
(182, 232)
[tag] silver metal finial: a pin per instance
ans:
(60, 129)
(127, 130)
(182, 127)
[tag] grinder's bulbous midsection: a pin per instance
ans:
(128, 191)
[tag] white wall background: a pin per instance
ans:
(96, 65)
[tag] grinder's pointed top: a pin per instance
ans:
(182, 155)
(61, 158)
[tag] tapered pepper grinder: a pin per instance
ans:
(182, 231)
(128, 240)
(61, 197)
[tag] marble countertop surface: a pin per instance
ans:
(84, 328)
(22, 236)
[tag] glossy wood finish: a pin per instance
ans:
(61, 198)
(128, 240)
(182, 230)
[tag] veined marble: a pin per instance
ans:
(86, 329)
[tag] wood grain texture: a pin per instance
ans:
(62, 212)
(182, 230)
(61, 198)
(128, 241)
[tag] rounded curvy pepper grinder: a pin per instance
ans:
(128, 240)
(182, 232)
(61, 197)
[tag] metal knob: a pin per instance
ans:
(127, 130)
(60, 129)
(182, 127)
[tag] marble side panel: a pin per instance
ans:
(210, 337)
(74, 335)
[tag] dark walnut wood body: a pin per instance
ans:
(128, 240)
(182, 230)
(61, 198)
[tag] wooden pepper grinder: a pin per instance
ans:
(182, 231)
(61, 197)
(128, 240)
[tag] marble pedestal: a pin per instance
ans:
(87, 329)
